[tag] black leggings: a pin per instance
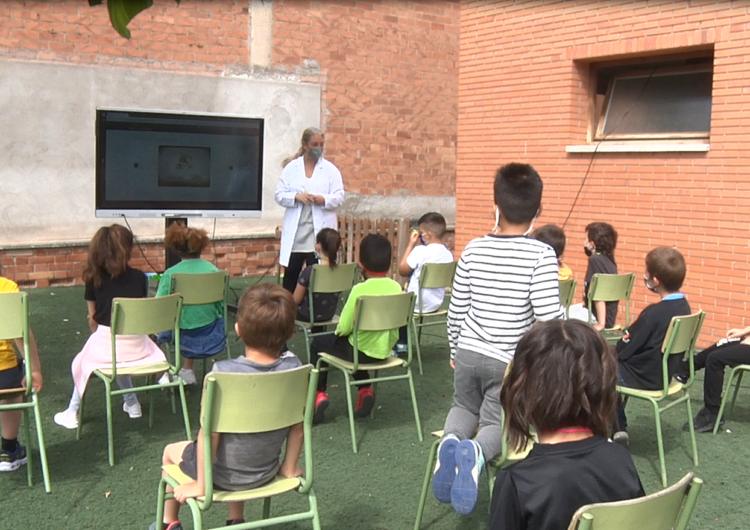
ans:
(338, 347)
(291, 274)
(714, 359)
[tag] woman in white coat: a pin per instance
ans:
(310, 188)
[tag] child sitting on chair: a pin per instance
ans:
(13, 375)
(327, 246)
(108, 276)
(425, 246)
(265, 321)
(601, 240)
(202, 331)
(554, 236)
(375, 262)
(639, 352)
(562, 384)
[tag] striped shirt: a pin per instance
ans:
(503, 285)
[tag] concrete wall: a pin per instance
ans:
(48, 137)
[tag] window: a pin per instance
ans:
(654, 99)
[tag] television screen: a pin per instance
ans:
(155, 164)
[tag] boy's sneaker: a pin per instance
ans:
(175, 525)
(401, 347)
(704, 421)
(231, 522)
(321, 404)
(12, 461)
(682, 377)
(134, 411)
(469, 464)
(445, 469)
(164, 379)
(622, 438)
(365, 402)
(188, 376)
(67, 419)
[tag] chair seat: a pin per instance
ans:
(439, 312)
(12, 391)
(391, 362)
(146, 369)
(674, 388)
(308, 325)
(277, 486)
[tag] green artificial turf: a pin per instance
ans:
(378, 488)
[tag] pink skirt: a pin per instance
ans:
(132, 350)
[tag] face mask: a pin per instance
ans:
(648, 286)
(497, 219)
(527, 232)
(316, 153)
(587, 250)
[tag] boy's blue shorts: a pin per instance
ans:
(198, 343)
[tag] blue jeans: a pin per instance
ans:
(198, 343)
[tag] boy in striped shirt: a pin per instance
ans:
(504, 283)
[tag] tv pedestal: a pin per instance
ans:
(171, 258)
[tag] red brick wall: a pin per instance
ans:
(523, 97)
(390, 90)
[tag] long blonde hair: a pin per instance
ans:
(306, 136)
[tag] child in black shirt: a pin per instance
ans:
(562, 383)
(601, 240)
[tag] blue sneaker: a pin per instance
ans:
(465, 490)
(445, 470)
(12, 461)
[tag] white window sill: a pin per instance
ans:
(640, 147)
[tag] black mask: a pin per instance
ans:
(587, 250)
(649, 286)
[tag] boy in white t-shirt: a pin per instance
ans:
(425, 246)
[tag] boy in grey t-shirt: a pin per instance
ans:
(265, 321)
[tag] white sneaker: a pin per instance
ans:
(133, 411)
(188, 376)
(165, 379)
(67, 419)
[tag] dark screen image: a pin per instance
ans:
(186, 167)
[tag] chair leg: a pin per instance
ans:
(160, 498)
(691, 429)
(307, 343)
(426, 483)
(374, 391)
(42, 446)
(348, 390)
(740, 373)
(185, 415)
(660, 443)
(29, 451)
(80, 416)
(314, 509)
(110, 425)
(414, 404)
(417, 340)
(266, 508)
(725, 397)
(150, 409)
(197, 514)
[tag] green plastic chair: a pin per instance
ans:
(141, 316)
(323, 279)
(288, 398)
(14, 323)
(669, 509)
(377, 313)
(735, 377)
(433, 276)
(680, 339)
(611, 288)
(504, 459)
(567, 290)
(201, 289)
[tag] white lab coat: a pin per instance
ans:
(326, 181)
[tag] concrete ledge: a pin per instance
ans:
(639, 147)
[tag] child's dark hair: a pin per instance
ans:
(518, 192)
(265, 317)
(668, 265)
(109, 253)
(563, 374)
(330, 243)
(187, 242)
(553, 235)
(434, 222)
(604, 237)
(375, 253)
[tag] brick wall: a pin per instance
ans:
(523, 96)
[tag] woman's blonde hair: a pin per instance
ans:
(306, 135)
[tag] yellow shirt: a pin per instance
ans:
(8, 358)
(564, 273)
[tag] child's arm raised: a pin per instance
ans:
(36, 367)
(289, 467)
(196, 488)
(404, 269)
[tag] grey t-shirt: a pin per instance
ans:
(246, 461)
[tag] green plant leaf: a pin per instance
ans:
(121, 12)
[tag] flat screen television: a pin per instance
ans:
(159, 164)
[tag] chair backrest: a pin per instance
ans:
(383, 312)
(14, 315)
(610, 287)
(437, 275)
(682, 334)
(146, 316)
(664, 510)
(567, 290)
(230, 400)
(326, 280)
(202, 288)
